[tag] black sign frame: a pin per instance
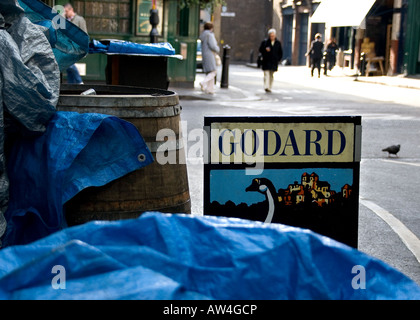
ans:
(305, 194)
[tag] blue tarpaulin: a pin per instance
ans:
(164, 256)
(157, 256)
(69, 43)
(127, 47)
(29, 85)
(76, 151)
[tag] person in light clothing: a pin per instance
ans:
(73, 75)
(209, 48)
(272, 52)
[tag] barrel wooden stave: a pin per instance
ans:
(156, 187)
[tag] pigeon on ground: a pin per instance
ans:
(392, 149)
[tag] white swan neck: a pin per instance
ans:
(271, 207)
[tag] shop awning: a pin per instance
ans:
(342, 13)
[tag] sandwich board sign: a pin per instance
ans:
(298, 171)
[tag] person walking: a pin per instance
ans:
(316, 54)
(73, 75)
(209, 49)
(272, 52)
(331, 54)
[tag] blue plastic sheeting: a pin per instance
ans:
(96, 46)
(76, 151)
(29, 85)
(69, 42)
(163, 256)
(127, 47)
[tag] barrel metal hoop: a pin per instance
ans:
(170, 145)
(159, 112)
(118, 100)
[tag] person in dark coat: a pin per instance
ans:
(316, 54)
(331, 53)
(272, 52)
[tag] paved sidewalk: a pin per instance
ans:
(221, 94)
(395, 81)
(297, 74)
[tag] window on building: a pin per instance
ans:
(183, 22)
(106, 16)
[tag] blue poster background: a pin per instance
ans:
(229, 185)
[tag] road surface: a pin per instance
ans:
(389, 213)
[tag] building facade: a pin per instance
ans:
(296, 30)
(392, 27)
(129, 20)
(243, 26)
(411, 37)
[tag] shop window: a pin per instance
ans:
(106, 16)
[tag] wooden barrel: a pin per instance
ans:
(156, 187)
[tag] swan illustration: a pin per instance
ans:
(266, 187)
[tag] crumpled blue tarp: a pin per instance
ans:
(127, 47)
(96, 46)
(69, 43)
(164, 256)
(76, 151)
(29, 84)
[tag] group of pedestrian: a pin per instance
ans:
(270, 55)
(317, 54)
(270, 49)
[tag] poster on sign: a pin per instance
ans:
(298, 171)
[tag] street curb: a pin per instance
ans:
(192, 97)
(407, 86)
